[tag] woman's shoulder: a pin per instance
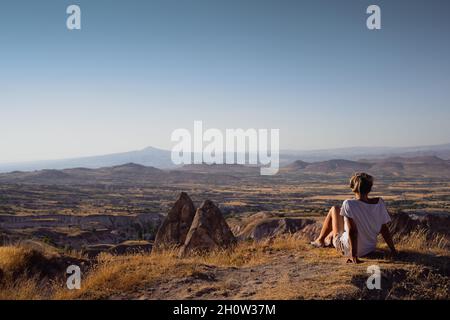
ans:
(377, 201)
(349, 202)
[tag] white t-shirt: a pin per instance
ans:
(368, 219)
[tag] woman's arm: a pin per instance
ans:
(353, 240)
(388, 238)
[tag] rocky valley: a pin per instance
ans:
(185, 217)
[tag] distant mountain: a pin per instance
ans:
(161, 159)
(329, 166)
(415, 166)
(136, 174)
(297, 165)
(339, 165)
(423, 166)
(221, 168)
(128, 174)
(147, 157)
(355, 153)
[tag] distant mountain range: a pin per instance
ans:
(135, 174)
(126, 174)
(356, 153)
(150, 156)
(423, 166)
(161, 159)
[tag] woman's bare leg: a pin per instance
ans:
(331, 223)
(337, 221)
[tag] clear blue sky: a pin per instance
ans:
(140, 69)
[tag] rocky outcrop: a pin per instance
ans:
(431, 223)
(38, 261)
(310, 232)
(132, 223)
(127, 247)
(175, 227)
(131, 247)
(262, 225)
(209, 231)
(91, 230)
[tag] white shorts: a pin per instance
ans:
(342, 244)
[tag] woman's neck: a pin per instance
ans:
(362, 197)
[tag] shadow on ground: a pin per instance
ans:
(426, 278)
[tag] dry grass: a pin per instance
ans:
(114, 275)
(118, 276)
(424, 262)
(249, 253)
(15, 264)
(14, 258)
(16, 261)
(21, 289)
(28, 271)
(420, 241)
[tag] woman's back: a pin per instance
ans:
(368, 218)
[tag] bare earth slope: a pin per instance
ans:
(299, 275)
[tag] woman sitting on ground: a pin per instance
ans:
(353, 229)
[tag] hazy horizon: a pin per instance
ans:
(138, 70)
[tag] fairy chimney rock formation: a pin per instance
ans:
(209, 231)
(175, 227)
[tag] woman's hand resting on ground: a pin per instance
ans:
(392, 254)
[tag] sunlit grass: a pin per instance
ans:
(113, 276)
